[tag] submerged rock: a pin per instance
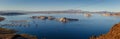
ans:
(114, 33)
(2, 18)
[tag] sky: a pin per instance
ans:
(51, 5)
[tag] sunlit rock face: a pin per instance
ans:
(87, 15)
(106, 14)
(42, 17)
(64, 19)
(2, 18)
(114, 33)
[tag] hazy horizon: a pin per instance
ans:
(53, 5)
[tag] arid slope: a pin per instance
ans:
(114, 33)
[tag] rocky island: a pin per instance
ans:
(2, 18)
(43, 17)
(62, 19)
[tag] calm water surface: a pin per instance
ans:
(52, 29)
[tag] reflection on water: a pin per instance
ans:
(11, 13)
(53, 29)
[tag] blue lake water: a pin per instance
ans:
(52, 29)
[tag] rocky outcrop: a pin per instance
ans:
(51, 18)
(10, 34)
(87, 15)
(33, 17)
(43, 17)
(114, 33)
(2, 18)
(17, 36)
(111, 14)
(7, 31)
(64, 19)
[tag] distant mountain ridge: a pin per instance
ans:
(62, 11)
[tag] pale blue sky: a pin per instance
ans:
(43, 5)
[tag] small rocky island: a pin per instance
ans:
(64, 19)
(111, 14)
(2, 18)
(114, 33)
(43, 17)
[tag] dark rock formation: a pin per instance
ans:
(43, 17)
(114, 33)
(51, 18)
(17, 36)
(40, 17)
(2, 18)
(34, 17)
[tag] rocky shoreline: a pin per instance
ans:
(114, 33)
(11, 34)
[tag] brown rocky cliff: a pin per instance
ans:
(114, 33)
